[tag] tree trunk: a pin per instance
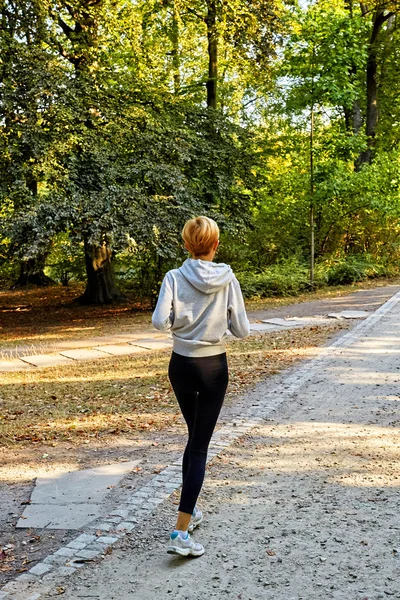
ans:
(372, 115)
(32, 273)
(175, 47)
(212, 36)
(101, 287)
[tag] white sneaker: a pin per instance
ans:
(196, 519)
(184, 547)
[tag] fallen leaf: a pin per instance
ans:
(60, 590)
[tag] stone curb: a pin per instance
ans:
(103, 533)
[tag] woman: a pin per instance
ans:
(198, 302)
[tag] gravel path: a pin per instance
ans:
(305, 506)
(368, 300)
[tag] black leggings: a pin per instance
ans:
(199, 385)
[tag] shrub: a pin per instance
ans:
(356, 268)
(8, 273)
(287, 278)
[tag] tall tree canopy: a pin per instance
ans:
(120, 120)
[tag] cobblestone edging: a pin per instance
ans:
(142, 503)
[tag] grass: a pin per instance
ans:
(127, 395)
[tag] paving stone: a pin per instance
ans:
(147, 490)
(71, 516)
(82, 354)
(119, 350)
(76, 545)
(141, 494)
(162, 495)
(65, 552)
(135, 500)
(40, 569)
(147, 507)
(27, 577)
(87, 554)
(126, 526)
(156, 500)
(106, 539)
(46, 360)
(52, 559)
(152, 344)
(85, 538)
(172, 485)
(64, 571)
(154, 483)
(72, 500)
(13, 365)
(263, 327)
(102, 526)
(96, 547)
(123, 512)
(350, 314)
(132, 518)
(113, 520)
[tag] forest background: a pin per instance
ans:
(122, 119)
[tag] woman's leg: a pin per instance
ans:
(212, 377)
(181, 384)
(199, 385)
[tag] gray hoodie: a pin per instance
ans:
(199, 302)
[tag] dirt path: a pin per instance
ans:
(369, 300)
(304, 507)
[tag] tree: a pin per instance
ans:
(381, 16)
(28, 116)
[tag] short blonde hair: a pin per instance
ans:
(199, 235)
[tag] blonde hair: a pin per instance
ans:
(199, 235)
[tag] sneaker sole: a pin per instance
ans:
(193, 526)
(184, 551)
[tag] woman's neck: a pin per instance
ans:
(209, 257)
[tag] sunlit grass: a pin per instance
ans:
(129, 394)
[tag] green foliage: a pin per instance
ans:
(66, 261)
(291, 277)
(355, 268)
(106, 137)
(287, 278)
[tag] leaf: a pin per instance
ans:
(61, 590)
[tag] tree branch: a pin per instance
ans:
(389, 16)
(193, 12)
(66, 28)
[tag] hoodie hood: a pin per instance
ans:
(206, 276)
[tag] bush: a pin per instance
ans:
(8, 273)
(291, 277)
(356, 268)
(287, 278)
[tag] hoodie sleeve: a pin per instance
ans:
(163, 316)
(238, 322)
